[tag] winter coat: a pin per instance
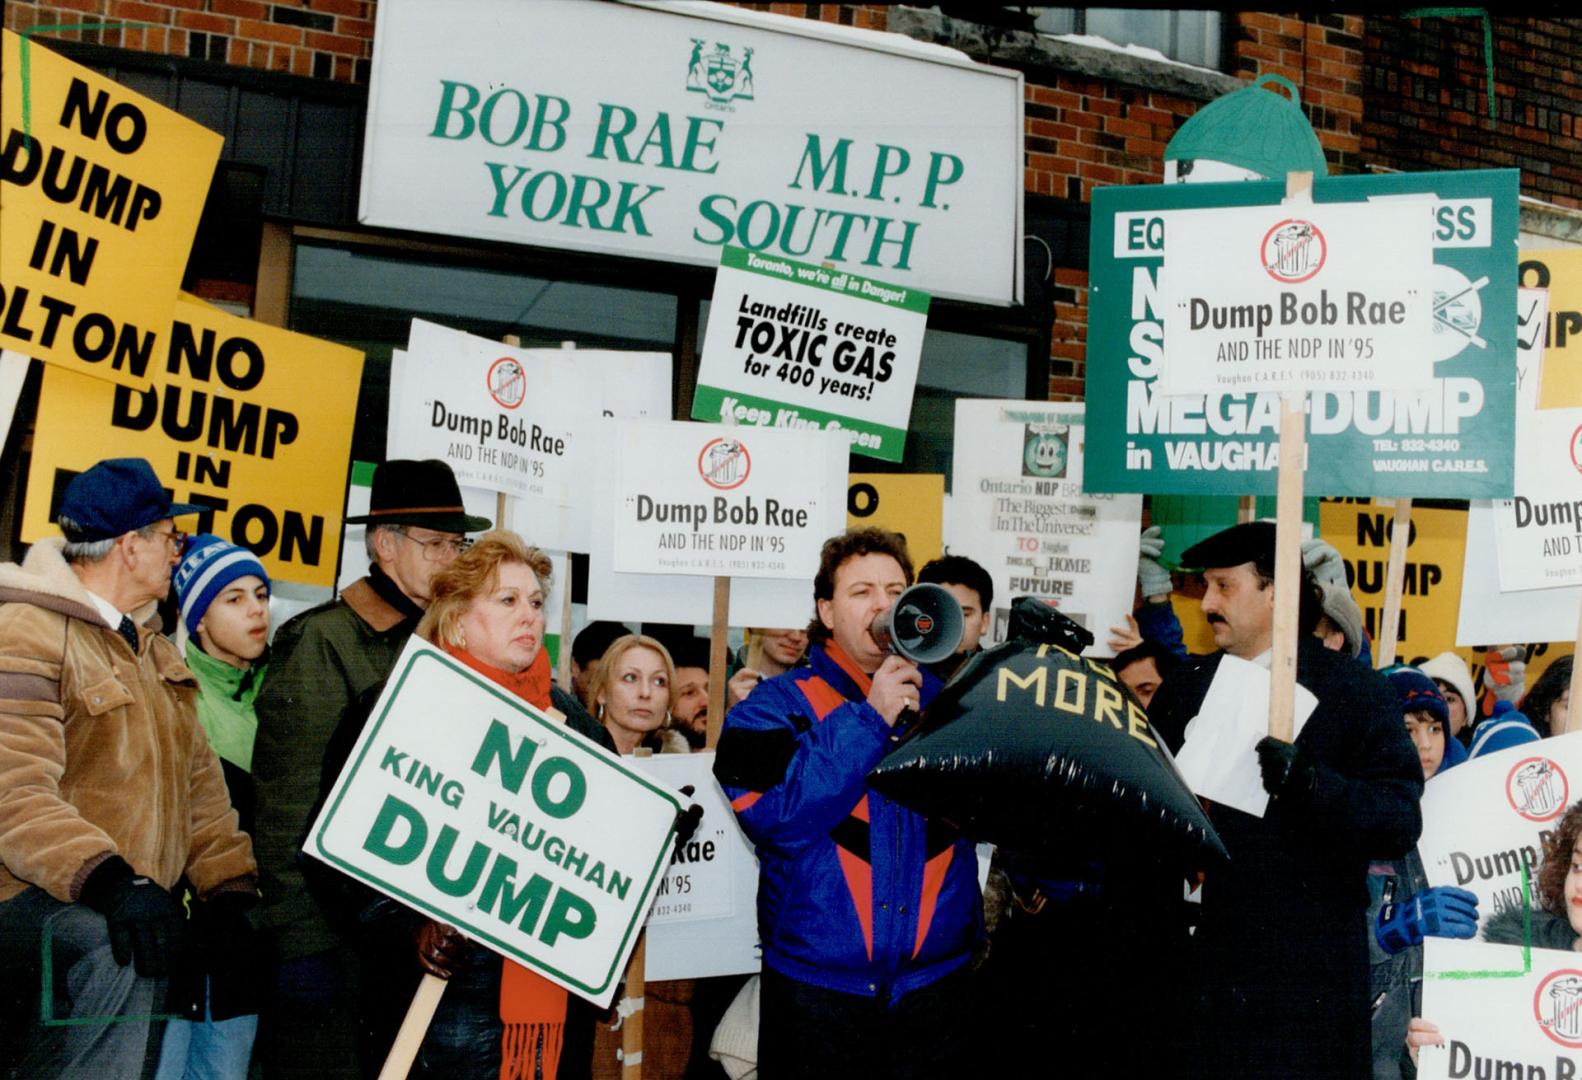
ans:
(100, 750)
(856, 893)
(1546, 931)
(1283, 968)
(323, 661)
(1395, 987)
(225, 710)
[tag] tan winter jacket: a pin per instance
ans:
(100, 750)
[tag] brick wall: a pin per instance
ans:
(327, 39)
(1427, 99)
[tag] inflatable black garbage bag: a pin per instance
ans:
(1037, 750)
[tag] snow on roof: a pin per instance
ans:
(881, 40)
(1142, 52)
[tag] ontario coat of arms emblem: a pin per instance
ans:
(720, 74)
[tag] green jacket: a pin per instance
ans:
(225, 709)
(323, 661)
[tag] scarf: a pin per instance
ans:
(532, 1008)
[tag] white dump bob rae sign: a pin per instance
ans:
(465, 803)
(666, 132)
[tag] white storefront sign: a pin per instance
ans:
(667, 132)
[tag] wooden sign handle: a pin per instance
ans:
(1287, 565)
(718, 647)
(1394, 582)
(632, 1026)
(1288, 536)
(418, 1017)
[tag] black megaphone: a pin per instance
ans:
(924, 625)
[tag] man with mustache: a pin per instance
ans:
(1281, 955)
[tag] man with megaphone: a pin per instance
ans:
(868, 912)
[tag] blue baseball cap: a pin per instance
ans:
(114, 497)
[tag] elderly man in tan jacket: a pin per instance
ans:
(109, 793)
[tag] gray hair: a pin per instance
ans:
(92, 551)
(369, 544)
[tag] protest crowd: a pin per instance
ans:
(707, 754)
(163, 854)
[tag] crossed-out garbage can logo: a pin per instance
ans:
(720, 74)
(724, 463)
(1293, 251)
(1557, 1005)
(1576, 448)
(507, 382)
(1537, 789)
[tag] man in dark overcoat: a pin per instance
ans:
(1281, 956)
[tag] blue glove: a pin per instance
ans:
(1443, 911)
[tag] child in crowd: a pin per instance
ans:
(223, 592)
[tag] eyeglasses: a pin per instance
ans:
(175, 537)
(441, 547)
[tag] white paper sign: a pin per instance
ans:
(1491, 617)
(1538, 532)
(1500, 1012)
(803, 346)
(463, 802)
(722, 500)
(705, 916)
(664, 132)
(1218, 757)
(1486, 820)
(1018, 509)
(1298, 296)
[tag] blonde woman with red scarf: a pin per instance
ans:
(496, 1019)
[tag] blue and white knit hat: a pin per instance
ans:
(209, 565)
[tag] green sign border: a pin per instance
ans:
(912, 299)
(706, 406)
(645, 900)
(1340, 464)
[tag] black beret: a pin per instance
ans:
(1249, 542)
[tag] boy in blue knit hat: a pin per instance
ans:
(223, 595)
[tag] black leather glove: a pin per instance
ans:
(147, 925)
(220, 923)
(687, 820)
(1286, 773)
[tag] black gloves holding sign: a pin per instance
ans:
(1286, 773)
(147, 925)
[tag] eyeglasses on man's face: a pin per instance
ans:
(174, 537)
(438, 548)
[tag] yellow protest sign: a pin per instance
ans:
(253, 421)
(100, 194)
(1559, 271)
(912, 505)
(1431, 593)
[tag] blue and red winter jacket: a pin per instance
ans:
(856, 893)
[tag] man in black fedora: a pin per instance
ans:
(1281, 964)
(322, 661)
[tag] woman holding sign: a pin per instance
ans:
(496, 1017)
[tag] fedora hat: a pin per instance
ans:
(422, 493)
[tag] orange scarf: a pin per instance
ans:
(532, 1008)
